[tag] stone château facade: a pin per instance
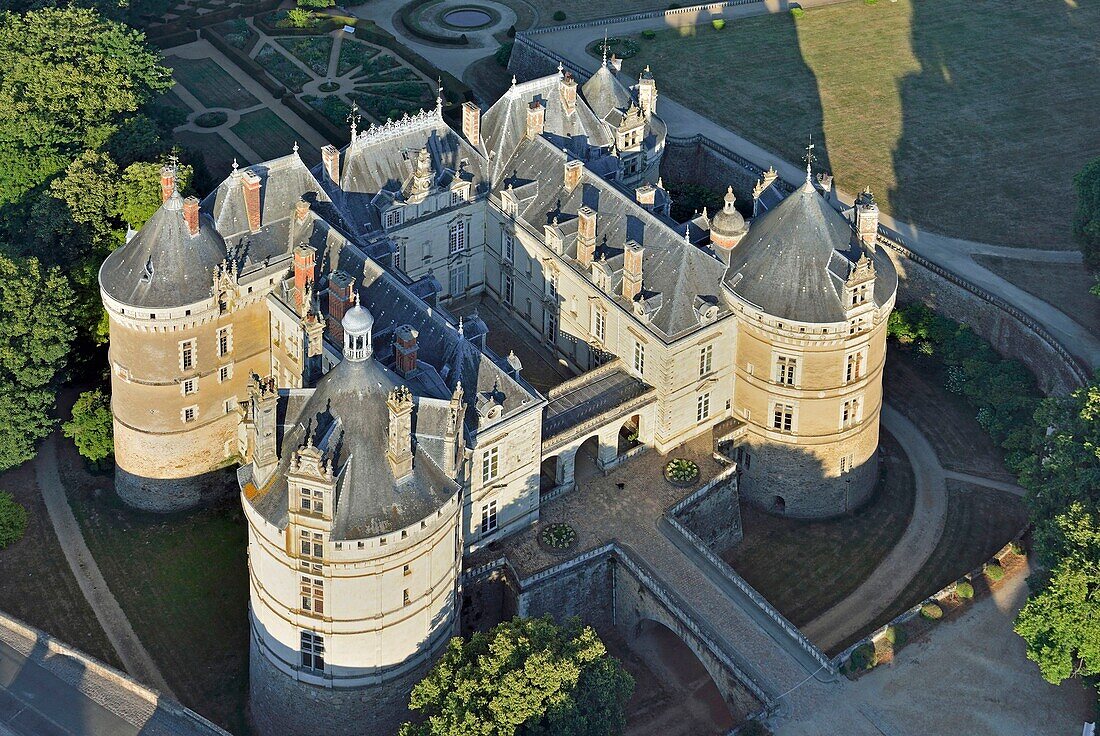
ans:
(295, 323)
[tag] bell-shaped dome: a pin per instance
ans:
(728, 222)
(357, 320)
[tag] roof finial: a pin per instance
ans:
(353, 118)
(561, 67)
(439, 95)
(235, 167)
(605, 47)
(355, 297)
(460, 329)
(687, 232)
(810, 158)
(513, 80)
(295, 146)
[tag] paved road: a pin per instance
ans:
(107, 611)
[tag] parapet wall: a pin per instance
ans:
(713, 513)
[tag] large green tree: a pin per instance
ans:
(68, 79)
(526, 677)
(35, 303)
(1086, 221)
(91, 425)
(137, 195)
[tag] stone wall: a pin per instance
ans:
(584, 591)
(690, 161)
(166, 495)
(715, 517)
(487, 601)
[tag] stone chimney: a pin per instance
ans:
(404, 350)
(330, 156)
(263, 400)
(305, 258)
(250, 184)
(399, 451)
(340, 287)
(646, 196)
(536, 120)
(471, 122)
(167, 182)
(632, 270)
(191, 215)
(301, 210)
(586, 235)
(647, 93)
(453, 444)
(567, 88)
(573, 174)
(867, 219)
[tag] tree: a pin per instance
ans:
(1086, 221)
(91, 425)
(316, 3)
(35, 309)
(299, 18)
(138, 195)
(1061, 621)
(13, 520)
(68, 78)
(526, 677)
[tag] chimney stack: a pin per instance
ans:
(399, 452)
(301, 210)
(191, 215)
(340, 287)
(647, 93)
(167, 182)
(586, 235)
(453, 444)
(404, 350)
(573, 174)
(330, 156)
(632, 270)
(305, 258)
(867, 219)
(251, 185)
(567, 88)
(536, 120)
(646, 196)
(471, 122)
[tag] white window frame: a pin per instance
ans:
(851, 412)
(507, 247)
(225, 372)
(226, 334)
(189, 414)
(312, 649)
(455, 274)
(456, 237)
(490, 464)
(392, 218)
(189, 354)
(787, 414)
(702, 407)
(189, 386)
(855, 365)
(507, 288)
(787, 369)
(311, 591)
(706, 359)
(489, 518)
(639, 357)
(599, 323)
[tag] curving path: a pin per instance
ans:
(107, 611)
(900, 566)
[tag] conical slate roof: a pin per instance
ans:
(795, 260)
(605, 93)
(164, 265)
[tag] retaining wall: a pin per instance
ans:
(713, 513)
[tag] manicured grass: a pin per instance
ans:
(313, 51)
(215, 151)
(270, 137)
(353, 54)
(182, 580)
(1064, 285)
(36, 584)
(172, 100)
(915, 387)
(968, 117)
(578, 10)
(210, 84)
(282, 68)
(804, 568)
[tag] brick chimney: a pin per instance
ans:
(632, 270)
(586, 235)
(646, 196)
(305, 259)
(536, 120)
(471, 122)
(404, 350)
(301, 210)
(867, 219)
(573, 174)
(399, 451)
(191, 215)
(167, 182)
(340, 287)
(330, 156)
(567, 88)
(251, 187)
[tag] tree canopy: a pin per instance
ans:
(13, 520)
(526, 677)
(91, 426)
(1086, 221)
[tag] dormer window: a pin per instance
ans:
(458, 195)
(859, 295)
(392, 218)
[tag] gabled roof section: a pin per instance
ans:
(605, 93)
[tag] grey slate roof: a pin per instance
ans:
(795, 259)
(605, 93)
(163, 265)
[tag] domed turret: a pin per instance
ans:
(727, 227)
(357, 324)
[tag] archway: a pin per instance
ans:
(549, 474)
(586, 460)
(674, 676)
(629, 434)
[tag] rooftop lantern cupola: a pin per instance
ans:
(357, 324)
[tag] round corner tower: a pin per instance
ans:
(812, 296)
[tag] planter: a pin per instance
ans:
(682, 473)
(557, 538)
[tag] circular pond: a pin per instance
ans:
(467, 18)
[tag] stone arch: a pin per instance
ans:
(629, 434)
(587, 457)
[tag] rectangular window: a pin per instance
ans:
(706, 357)
(392, 218)
(189, 386)
(456, 237)
(850, 413)
(405, 599)
(783, 417)
(311, 544)
(854, 368)
(786, 369)
(702, 407)
(508, 248)
(225, 373)
(313, 651)
(399, 257)
(639, 358)
(551, 326)
(456, 196)
(187, 355)
(313, 501)
(190, 413)
(459, 279)
(490, 464)
(507, 288)
(488, 517)
(406, 570)
(225, 341)
(313, 594)
(597, 323)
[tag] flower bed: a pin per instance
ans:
(681, 472)
(211, 119)
(558, 537)
(623, 48)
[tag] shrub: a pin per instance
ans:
(994, 572)
(718, 24)
(797, 13)
(1016, 548)
(558, 536)
(503, 54)
(559, 15)
(13, 520)
(931, 611)
(895, 637)
(869, 2)
(964, 590)
(650, 34)
(682, 470)
(864, 657)
(211, 119)
(297, 18)
(91, 426)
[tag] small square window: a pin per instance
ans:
(406, 570)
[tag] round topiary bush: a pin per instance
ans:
(931, 611)
(994, 572)
(649, 35)
(13, 520)
(559, 15)
(964, 590)
(895, 636)
(211, 119)
(1016, 548)
(681, 471)
(558, 536)
(718, 24)
(797, 13)
(864, 657)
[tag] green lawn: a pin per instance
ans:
(270, 137)
(968, 117)
(182, 580)
(577, 10)
(210, 84)
(1064, 285)
(216, 152)
(804, 568)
